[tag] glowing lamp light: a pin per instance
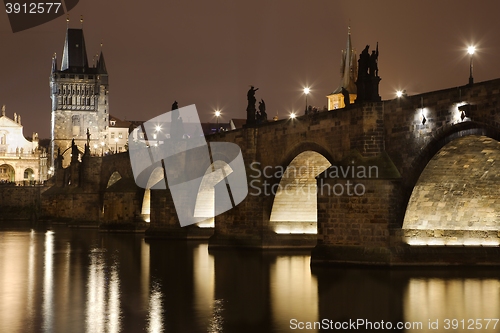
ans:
(292, 115)
(471, 49)
(158, 128)
(217, 113)
(399, 93)
(307, 91)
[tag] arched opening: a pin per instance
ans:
(7, 173)
(205, 201)
(295, 203)
(456, 200)
(155, 178)
(29, 176)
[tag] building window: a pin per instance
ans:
(112, 135)
(120, 135)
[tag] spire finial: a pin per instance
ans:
(81, 21)
(67, 20)
(349, 27)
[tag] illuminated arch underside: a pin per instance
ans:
(456, 200)
(205, 202)
(295, 205)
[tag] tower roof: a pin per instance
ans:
(75, 53)
(348, 68)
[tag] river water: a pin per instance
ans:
(78, 280)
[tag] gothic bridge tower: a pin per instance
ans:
(79, 96)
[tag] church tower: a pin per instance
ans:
(348, 75)
(79, 96)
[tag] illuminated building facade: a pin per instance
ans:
(21, 161)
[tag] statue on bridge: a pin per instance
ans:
(368, 79)
(176, 125)
(374, 62)
(251, 106)
(74, 151)
(347, 99)
(262, 111)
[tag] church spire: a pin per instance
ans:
(349, 70)
(101, 64)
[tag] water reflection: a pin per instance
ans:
(155, 317)
(294, 290)
(82, 281)
(431, 298)
(48, 283)
(103, 313)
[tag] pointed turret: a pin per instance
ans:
(348, 74)
(101, 65)
(54, 63)
(75, 53)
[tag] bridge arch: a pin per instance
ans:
(294, 204)
(455, 200)
(205, 201)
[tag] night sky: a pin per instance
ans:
(208, 52)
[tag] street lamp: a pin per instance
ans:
(102, 149)
(471, 49)
(217, 115)
(116, 145)
(292, 115)
(95, 149)
(399, 93)
(306, 91)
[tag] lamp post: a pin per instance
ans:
(217, 115)
(102, 149)
(116, 145)
(306, 91)
(95, 149)
(471, 49)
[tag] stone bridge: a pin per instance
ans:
(409, 180)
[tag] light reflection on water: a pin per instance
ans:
(82, 281)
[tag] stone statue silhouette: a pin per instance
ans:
(363, 62)
(347, 100)
(251, 97)
(262, 110)
(176, 126)
(374, 63)
(88, 137)
(74, 151)
(251, 105)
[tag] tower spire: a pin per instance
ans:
(54, 63)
